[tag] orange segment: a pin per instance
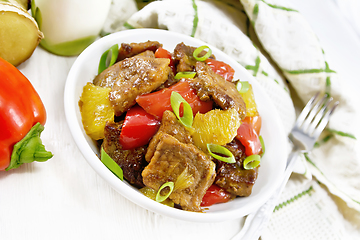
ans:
(249, 99)
(216, 126)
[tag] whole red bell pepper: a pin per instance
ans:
(22, 119)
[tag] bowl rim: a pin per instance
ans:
(129, 192)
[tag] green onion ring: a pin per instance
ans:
(262, 145)
(215, 149)
(160, 198)
(108, 58)
(199, 50)
(111, 165)
(181, 75)
(252, 162)
(176, 99)
(242, 86)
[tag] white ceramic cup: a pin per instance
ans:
(69, 26)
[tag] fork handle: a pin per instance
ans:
(256, 221)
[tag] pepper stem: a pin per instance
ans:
(29, 149)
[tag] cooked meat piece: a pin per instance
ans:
(133, 77)
(232, 176)
(129, 50)
(169, 82)
(169, 125)
(109, 76)
(183, 56)
(147, 53)
(131, 161)
(211, 85)
(171, 158)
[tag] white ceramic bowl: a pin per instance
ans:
(272, 167)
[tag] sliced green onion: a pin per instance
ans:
(181, 75)
(220, 153)
(252, 162)
(199, 50)
(262, 145)
(187, 117)
(160, 198)
(108, 58)
(242, 86)
(111, 164)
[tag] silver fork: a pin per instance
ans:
(307, 129)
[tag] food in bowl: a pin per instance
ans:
(182, 130)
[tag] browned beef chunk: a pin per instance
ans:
(211, 85)
(133, 77)
(147, 53)
(233, 177)
(109, 76)
(183, 56)
(129, 50)
(169, 125)
(170, 160)
(131, 161)
(169, 82)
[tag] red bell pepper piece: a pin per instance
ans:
(138, 128)
(22, 116)
(248, 137)
(215, 194)
(157, 102)
(221, 68)
(255, 122)
(163, 53)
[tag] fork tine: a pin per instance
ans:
(324, 121)
(318, 115)
(306, 110)
(314, 111)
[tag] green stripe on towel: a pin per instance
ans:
(296, 197)
(128, 25)
(255, 68)
(343, 134)
(196, 19)
(328, 86)
(279, 7)
(327, 70)
(323, 140)
(308, 71)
